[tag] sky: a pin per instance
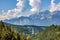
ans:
(16, 8)
(11, 4)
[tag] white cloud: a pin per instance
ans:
(58, 6)
(14, 12)
(35, 4)
(21, 8)
(54, 6)
(21, 5)
(42, 17)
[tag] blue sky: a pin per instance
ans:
(15, 8)
(10, 4)
(7, 4)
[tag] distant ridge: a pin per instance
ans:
(41, 19)
(28, 29)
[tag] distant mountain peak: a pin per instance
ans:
(42, 18)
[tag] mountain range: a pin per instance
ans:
(44, 18)
(27, 29)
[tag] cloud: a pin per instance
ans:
(21, 8)
(14, 12)
(54, 6)
(21, 5)
(42, 17)
(35, 4)
(5, 15)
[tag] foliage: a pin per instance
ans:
(50, 33)
(7, 34)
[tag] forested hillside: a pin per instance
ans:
(50, 33)
(7, 34)
(27, 29)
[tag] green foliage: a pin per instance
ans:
(51, 33)
(7, 34)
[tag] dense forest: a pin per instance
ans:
(50, 33)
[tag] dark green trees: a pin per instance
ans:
(7, 34)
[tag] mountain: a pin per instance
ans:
(19, 32)
(27, 29)
(41, 19)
